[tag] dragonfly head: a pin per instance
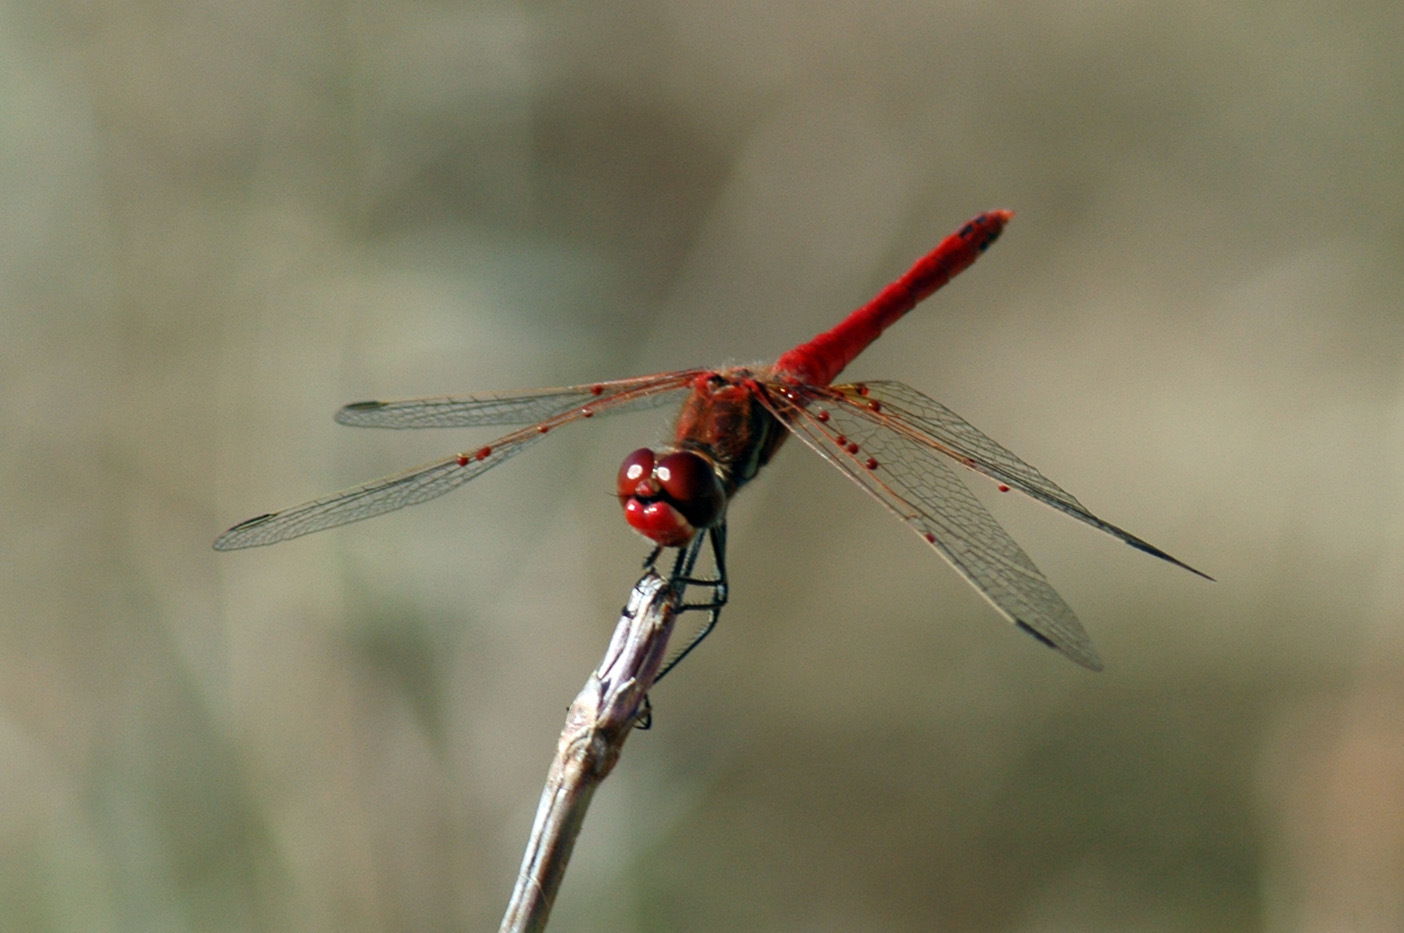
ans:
(669, 496)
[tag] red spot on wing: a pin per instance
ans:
(597, 390)
(822, 415)
(871, 463)
(463, 459)
(482, 453)
(1003, 488)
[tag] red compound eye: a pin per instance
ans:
(668, 499)
(636, 469)
(691, 484)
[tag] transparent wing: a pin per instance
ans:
(558, 407)
(930, 424)
(515, 408)
(376, 497)
(912, 479)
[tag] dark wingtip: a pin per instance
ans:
(1083, 656)
(226, 542)
(345, 415)
(1154, 551)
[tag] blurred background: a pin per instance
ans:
(221, 221)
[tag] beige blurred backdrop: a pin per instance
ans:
(220, 221)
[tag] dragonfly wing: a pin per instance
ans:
(376, 497)
(547, 408)
(931, 424)
(517, 408)
(914, 481)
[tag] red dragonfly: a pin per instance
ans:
(890, 439)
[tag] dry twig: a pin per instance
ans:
(601, 718)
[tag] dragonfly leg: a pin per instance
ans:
(643, 721)
(652, 557)
(682, 576)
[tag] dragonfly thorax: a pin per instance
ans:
(669, 496)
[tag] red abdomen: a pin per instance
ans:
(820, 360)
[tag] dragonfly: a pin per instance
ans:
(902, 447)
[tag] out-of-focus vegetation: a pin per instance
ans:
(220, 221)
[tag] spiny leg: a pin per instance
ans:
(679, 579)
(652, 557)
(682, 578)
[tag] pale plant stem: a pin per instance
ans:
(604, 713)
